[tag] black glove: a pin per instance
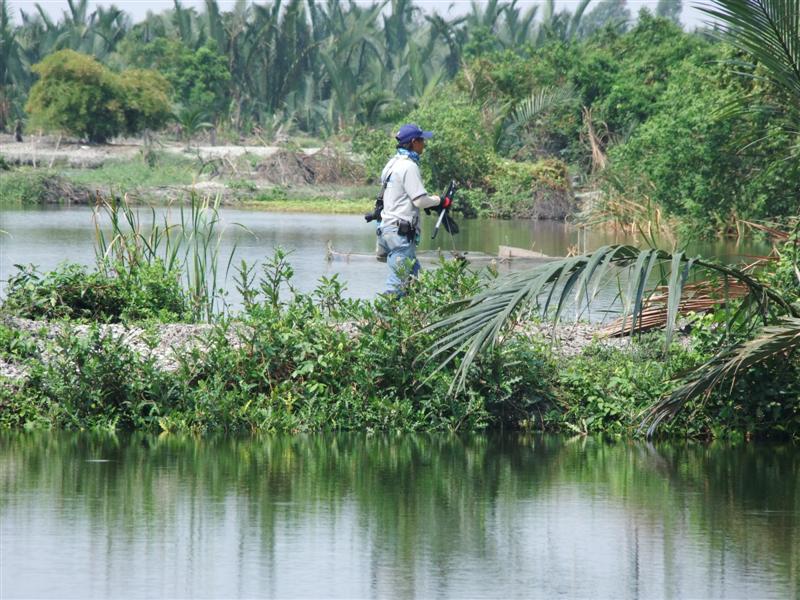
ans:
(444, 202)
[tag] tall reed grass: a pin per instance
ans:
(190, 247)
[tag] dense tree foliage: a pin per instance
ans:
(322, 66)
(629, 98)
(76, 94)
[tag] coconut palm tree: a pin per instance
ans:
(769, 32)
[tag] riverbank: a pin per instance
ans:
(301, 362)
(328, 178)
(318, 361)
(303, 369)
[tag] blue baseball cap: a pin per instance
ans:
(412, 131)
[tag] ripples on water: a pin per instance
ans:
(394, 516)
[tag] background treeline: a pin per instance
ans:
(635, 105)
(323, 65)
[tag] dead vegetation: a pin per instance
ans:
(325, 166)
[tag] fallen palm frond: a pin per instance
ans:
(775, 341)
(776, 231)
(699, 297)
(478, 323)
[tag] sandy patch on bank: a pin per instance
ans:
(45, 153)
(210, 152)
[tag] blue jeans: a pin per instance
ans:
(401, 256)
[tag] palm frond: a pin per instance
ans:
(775, 341)
(539, 103)
(476, 324)
(768, 30)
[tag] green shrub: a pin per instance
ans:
(319, 361)
(783, 276)
(35, 187)
(198, 77)
(528, 189)
(461, 148)
(622, 77)
(91, 381)
(73, 292)
(76, 94)
(147, 104)
(23, 187)
(377, 146)
(156, 168)
(695, 158)
(16, 344)
(606, 390)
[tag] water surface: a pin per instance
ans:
(48, 236)
(354, 516)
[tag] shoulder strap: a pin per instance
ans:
(383, 188)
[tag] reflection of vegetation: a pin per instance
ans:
(442, 497)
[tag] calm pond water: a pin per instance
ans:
(355, 516)
(46, 237)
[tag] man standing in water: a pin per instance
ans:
(403, 196)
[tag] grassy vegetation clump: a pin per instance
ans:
(529, 190)
(71, 291)
(607, 390)
(342, 200)
(300, 362)
(30, 187)
(155, 169)
(293, 361)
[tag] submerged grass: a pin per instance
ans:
(319, 199)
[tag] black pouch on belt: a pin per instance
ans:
(407, 229)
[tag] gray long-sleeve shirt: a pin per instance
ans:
(405, 193)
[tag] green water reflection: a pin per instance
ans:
(361, 516)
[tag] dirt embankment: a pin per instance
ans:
(232, 171)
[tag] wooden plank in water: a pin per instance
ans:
(512, 252)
